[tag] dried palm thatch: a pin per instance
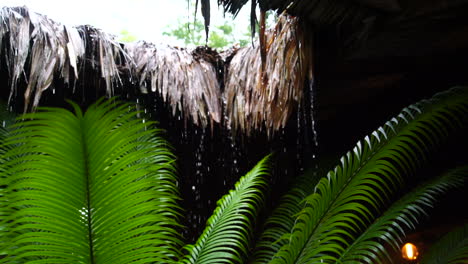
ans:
(104, 54)
(259, 91)
(47, 49)
(258, 96)
(186, 79)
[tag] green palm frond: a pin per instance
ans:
(83, 190)
(6, 119)
(389, 229)
(352, 195)
(450, 249)
(229, 231)
(281, 220)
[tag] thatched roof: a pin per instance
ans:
(40, 49)
(259, 95)
(190, 81)
(183, 78)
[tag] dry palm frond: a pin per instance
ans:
(258, 93)
(104, 53)
(185, 79)
(50, 49)
(256, 97)
(15, 21)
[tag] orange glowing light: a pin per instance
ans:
(409, 251)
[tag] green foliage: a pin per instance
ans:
(346, 202)
(229, 232)
(189, 35)
(100, 187)
(389, 229)
(194, 34)
(92, 188)
(282, 218)
(126, 37)
(220, 37)
(450, 249)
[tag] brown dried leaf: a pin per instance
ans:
(255, 98)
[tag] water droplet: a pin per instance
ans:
(193, 187)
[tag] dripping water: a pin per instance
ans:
(313, 125)
(199, 164)
(235, 155)
(285, 150)
(137, 105)
(299, 152)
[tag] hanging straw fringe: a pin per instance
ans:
(256, 97)
(53, 48)
(188, 82)
(39, 50)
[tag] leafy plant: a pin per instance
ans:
(451, 248)
(229, 231)
(92, 188)
(100, 187)
(338, 211)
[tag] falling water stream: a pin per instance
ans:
(313, 126)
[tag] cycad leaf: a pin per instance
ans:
(450, 249)
(281, 220)
(353, 195)
(402, 215)
(4, 208)
(92, 188)
(228, 234)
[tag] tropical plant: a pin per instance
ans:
(337, 217)
(100, 187)
(451, 248)
(229, 231)
(341, 219)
